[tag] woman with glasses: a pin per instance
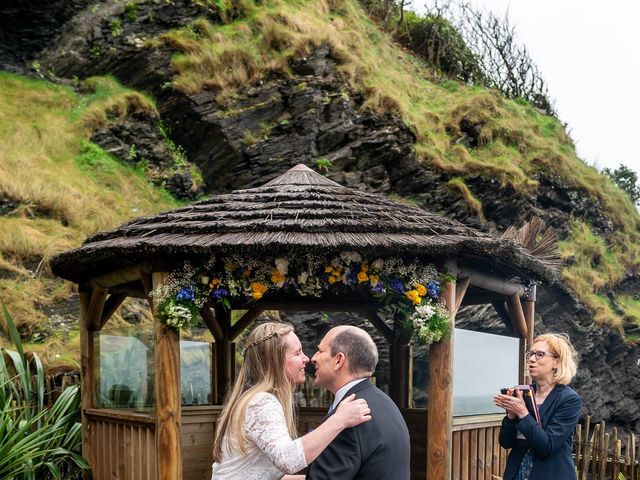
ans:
(543, 451)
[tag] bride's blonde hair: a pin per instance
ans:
(262, 371)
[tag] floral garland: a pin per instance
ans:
(409, 291)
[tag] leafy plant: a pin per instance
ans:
(627, 180)
(36, 441)
(323, 164)
(116, 27)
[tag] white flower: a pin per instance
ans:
(350, 257)
(282, 264)
(302, 278)
(377, 264)
(204, 280)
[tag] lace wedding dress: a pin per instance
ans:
(271, 452)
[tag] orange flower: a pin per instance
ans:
(277, 277)
(214, 283)
(364, 268)
(421, 289)
(374, 279)
(246, 273)
(258, 289)
(414, 296)
(328, 269)
(332, 280)
(362, 277)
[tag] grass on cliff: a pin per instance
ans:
(515, 142)
(61, 188)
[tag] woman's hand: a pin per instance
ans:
(514, 406)
(352, 411)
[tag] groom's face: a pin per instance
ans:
(324, 363)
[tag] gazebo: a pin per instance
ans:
(297, 212)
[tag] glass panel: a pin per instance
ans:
(195, 365)
(125, 368)
(195, 372)
(482, 364)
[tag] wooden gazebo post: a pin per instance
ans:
(440, 408)
(167, 387)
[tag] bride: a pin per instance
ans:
(256, 436)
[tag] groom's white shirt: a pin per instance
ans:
(342, 391)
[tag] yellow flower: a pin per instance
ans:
(362, 277)
(414, 296)
(277, 277)
(364, 268)
(214, 283)
(258, 289)
(374, 279)
(332, 280)
(328, 269)
(337, 272)
(422, 291)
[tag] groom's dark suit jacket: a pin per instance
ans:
(374, 450)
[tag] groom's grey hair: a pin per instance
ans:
(358, 348)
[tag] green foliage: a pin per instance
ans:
(626, 179)
(37, 441)
(116, 27)
(323, 164)
(435, 39)
(131, 11)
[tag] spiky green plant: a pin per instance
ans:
(36, 441)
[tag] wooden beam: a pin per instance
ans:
(243, 322)
(111, 305)
(167, 387)
(212, 323)
(491, 283)
(529, 306)
(225, 354)
(501, 309)
(440, 407)
(86, 377)
(517, 315)
(118, 277)
(399, 366)
(310, 305)
(383, 329)
(95, 308)
(461, 289)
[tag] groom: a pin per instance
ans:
(374, 450)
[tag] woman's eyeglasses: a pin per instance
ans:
(539, 355)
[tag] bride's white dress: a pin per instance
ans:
(270, 451)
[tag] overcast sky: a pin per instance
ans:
(588, 53)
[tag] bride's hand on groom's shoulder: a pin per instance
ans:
(353, 411)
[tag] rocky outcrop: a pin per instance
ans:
(313, 116)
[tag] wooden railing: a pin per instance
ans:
(600, 455)
(123, 445)
(476, 453)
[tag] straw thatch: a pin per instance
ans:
(298, 211)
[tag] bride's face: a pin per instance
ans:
(296, 360)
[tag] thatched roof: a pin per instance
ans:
(299, 210)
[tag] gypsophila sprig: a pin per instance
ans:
(410, 291)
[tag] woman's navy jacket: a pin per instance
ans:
(550, 443)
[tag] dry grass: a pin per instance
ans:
(476, 205)
(65, 188)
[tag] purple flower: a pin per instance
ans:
(433, 289)
(379, 288)
(397, 285)
(291, 283)
(220, 293)
(186, 294)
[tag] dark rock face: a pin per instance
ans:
(277, 123)
(140, 141)
(27, 26)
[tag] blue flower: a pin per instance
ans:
(433, 289)
(186, 294)
(397, 285)
(220, 293)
